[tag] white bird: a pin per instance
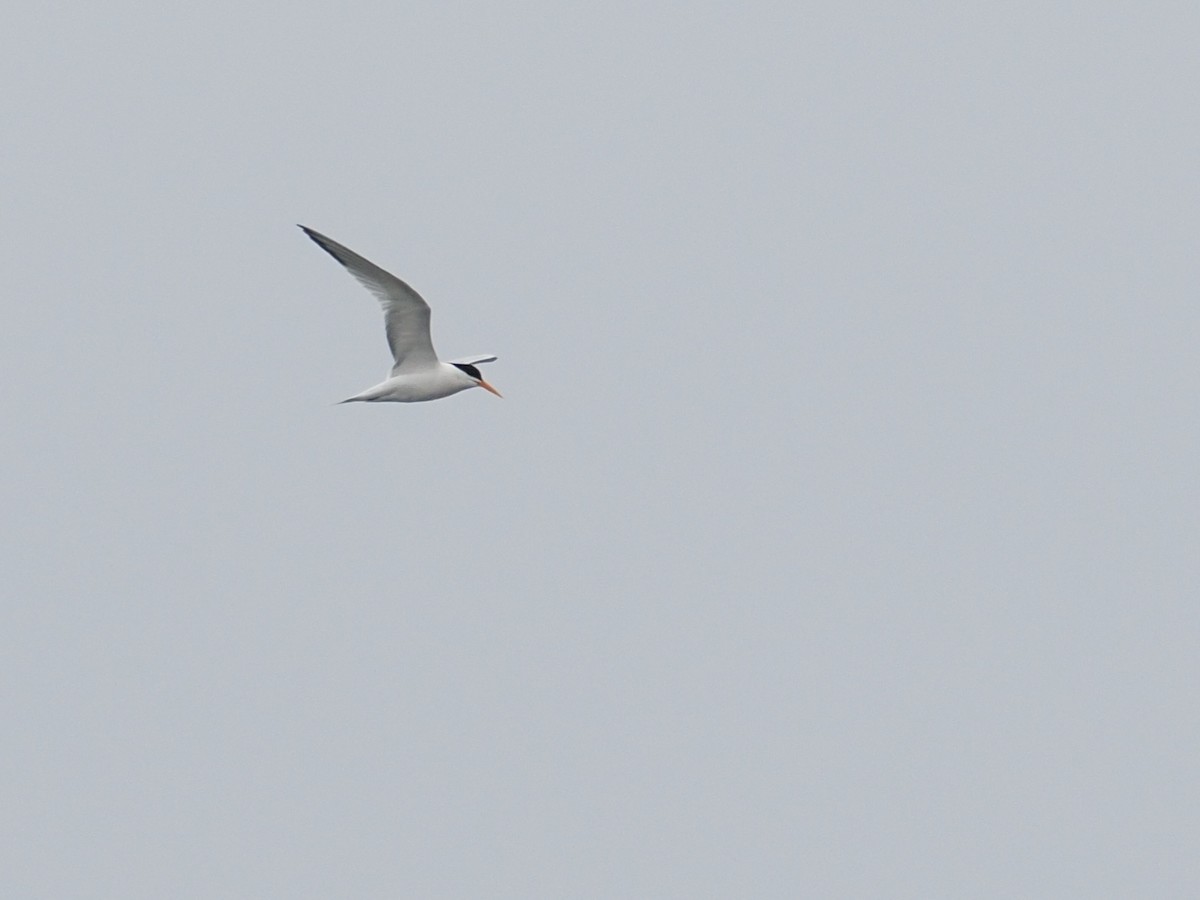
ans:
(417, 373)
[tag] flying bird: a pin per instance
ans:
(417, 373)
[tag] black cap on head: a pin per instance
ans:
(469, 369)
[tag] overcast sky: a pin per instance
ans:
(837, 534)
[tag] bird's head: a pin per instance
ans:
(473, 373)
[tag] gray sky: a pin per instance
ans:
(837, 536)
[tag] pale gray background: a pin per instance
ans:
(837, 536)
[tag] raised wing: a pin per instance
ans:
(405, 314)
(472, 360)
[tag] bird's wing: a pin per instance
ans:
(405, 314)
(472, 360)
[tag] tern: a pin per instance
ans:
(417, 373)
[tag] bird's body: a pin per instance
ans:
(430, 384)
(417, 373)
